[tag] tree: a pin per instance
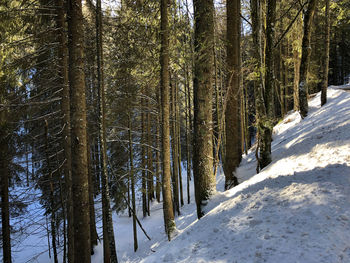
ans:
(305, 58)
(109, 251)
(80, 184)
(232, 115)
(326, 56)
(204, 178)
(65, 106)
(169, 221)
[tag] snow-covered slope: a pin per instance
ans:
(295, 210)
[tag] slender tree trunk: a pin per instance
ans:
(52, 198)
(93, 232)
(232, 115)
(169, 221)
(80, 179)
(158, 163)
(305, 58)
(5, 212)
(150, 186)
(178, 137)
(188, 135)
(108, 230)
(204, 178)
(132, 178)
(326, 57)
(65, 105)
(143, 161)
(175, 174)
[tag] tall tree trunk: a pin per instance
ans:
(52, 198)
(150, 185)
(188, 134)
(108, 230)
(132, 178)
(326, 57)
(174, 147)
(178, 137)
(143, 160)
(204, 178)
(65, 107)
(5, 212)
(232, 115)
(158, 157)
(169, 221)
(78, 134)
(266, 132)
(305, 58)
(259, 85)
(93, 232)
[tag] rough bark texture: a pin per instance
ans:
(232, 115)
(108, 230)
(63, 73)
(203, 67)
(78, 134)
(305, 58)
(169, 221)
(326, 58)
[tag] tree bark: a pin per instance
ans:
(108, 231)
(65, 107)
(326, 57)
(232, 115)
(169, 221)
(78, 134)
(204, 178)
(305, 58)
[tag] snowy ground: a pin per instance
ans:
(296, 210)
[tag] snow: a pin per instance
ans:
(297, 209)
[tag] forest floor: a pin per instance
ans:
(295, 210)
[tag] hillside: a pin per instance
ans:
(296, 210)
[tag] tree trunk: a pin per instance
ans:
(326, 57)
(256, 14)
(232, 115)
(204, 178)
(143, 160)
(132, 178)
(78, 134)
(5, 212)
(175, 174)
(108, 230)
(52, 198)
(158, 162)
(267, 122)
(93, 232)
(305, 58)
(169, 221)
(65, 107)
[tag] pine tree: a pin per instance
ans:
(203, 68)
(232, 115)
(169, 221)
(78, 134)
